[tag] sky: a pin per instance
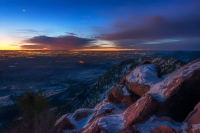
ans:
(99, 24)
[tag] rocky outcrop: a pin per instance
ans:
(120, 93)
(106, 124)
(74, 122)
(166, 65)
(106, 107)
(93, 128)
(82, 113)
(171, 99)
(163, 129)
(113, 76)
(193, 120)
(163, 119)
(139, 89)
(111, 98)
(141, 78)
(140, 111)
(180, 91)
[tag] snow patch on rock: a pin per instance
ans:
(112, 123)
(125, 91)
(145, 74)
(80, 123)
(116, 108)
(195, 127)
(148, 126)
(157, 90)
(183, 127)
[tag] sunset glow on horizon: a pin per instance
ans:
(99, 25)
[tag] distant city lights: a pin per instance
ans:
(81, 62)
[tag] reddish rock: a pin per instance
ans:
(132, 130)
(64, 124)
(180, 92)
(163, 119)
(140, 111)
(163, 129)
(102, 114)
(124, 95)
(139, 89)
(111, 98)
(141, 78)
(93, 127)
(193, 120)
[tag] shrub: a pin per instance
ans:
(36, 117)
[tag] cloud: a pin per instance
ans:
(33, 31)
(161, 44)
(155, 19)
(25, 31)
(71, 34)
(157, 32)
(32, 46)
(56, 43)
(156, 27)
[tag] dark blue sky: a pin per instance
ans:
(100, 24)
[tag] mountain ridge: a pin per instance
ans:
(114, 115)
(98, 91)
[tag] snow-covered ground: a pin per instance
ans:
(112, 123)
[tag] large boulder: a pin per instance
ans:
(93, 128)
(179, 92)
(139, 89)
(163, 129)
(106, 107)
(124, 95)
(140, 111)
(163, 119)
(75, 121)
(193, 120)
(82, 113)
(141, 78)
(106, 124)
